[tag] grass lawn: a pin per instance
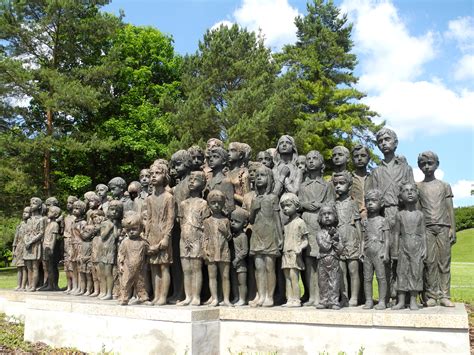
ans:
(8, 278)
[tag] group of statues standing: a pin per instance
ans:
(214, 227)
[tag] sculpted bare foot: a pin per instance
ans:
(185, 302)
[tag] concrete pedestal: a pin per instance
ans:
(92, 325)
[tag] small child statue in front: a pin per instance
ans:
(295, 240)
(50, 239)
(160, 206)
(349, 229)
(375, 249)
(110, 231)
(18, 251)
(436, 202)
(216, 247)
(329, 269)
(131, 260)
(238, 221)
(85, 263)
(68, 245)
(97, 217)
(79, 212)
(192, 213)
(410, 226)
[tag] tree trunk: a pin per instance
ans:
(47, 155)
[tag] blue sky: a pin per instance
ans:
(416, 63)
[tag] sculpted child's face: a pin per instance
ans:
(133, 232)
(77, 211)
(94, 204)
(52, 214)
(339, 158)
(102, 191)
(265, 159)
(428, 165)
(234, 153)
(327, 216)
(341, 186)
(144, 177)
(180, 167)
(197, 160)
(26, 214)
(386, 144)
(157, 177)
(215, 160)
(69, 205)
(301, 162)
(195, 182)
(116, 191)
(409, 193)
(216, 205)
(236, 223)
(261, 178)
(360, 158)
(313, 163)
(373, 204)
(113, 212)
(285, 146)
(289, 208)
(35, 205)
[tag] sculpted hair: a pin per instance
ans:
(359, 147)
(81, 205)
(55, 210)
(345, 175)
(52, 201)
(428, 155)
(269, 173)
(196, 150)
(184, 156)
(101, 186)
(343, 149)
(373, 193)
(318, 156)
(330, 207)
(72, 199)
(386, 131)
(288, 196)
(119, 206)
(240, 214)
(222, 153)
(215, 195)
(118, 181)
(132, 219)
(134, 186)
(162, 169)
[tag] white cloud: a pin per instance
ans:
(462, 189)
(462, 31)
(419, 176)
(392, 61)
(275, 18)
(465, 68)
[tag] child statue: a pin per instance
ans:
(238, 173)
(216, 247)
(93, 205)
(144, 179)
(410, 226)
(238, 221)
(131, 260)
(35, 228)
(97, 217)
(159, 225)
(329, 268)
(211, 144)
(79, 212)
(217, 162)
(313, 193)
(68, 249)
(286, 174)
(110, 231)
(51, 236)
(436, 202)
(360, 159)
(267, 236)
(58, 246)
(197, 157)
(392, 173)
(350, 233)
(135, 191)
(192, 213)
(296, 239)
(264, 157)
(85, 262)
(375, 249)
(19, 250)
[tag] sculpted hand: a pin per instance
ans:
(452, 236)
(284, 172)
(164, 243)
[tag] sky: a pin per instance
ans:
(416, 63)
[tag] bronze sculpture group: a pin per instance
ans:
(214, 224)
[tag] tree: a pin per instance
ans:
(229, 87)
(319, 70)
(144, 88)
(52, 58)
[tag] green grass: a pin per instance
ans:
(463, 249)
(8, 277)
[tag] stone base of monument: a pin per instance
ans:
(93, 326)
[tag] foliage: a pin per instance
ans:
(319, 69)
(229, 88)
(464, 217)
(7, 234)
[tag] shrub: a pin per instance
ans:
(464, 217)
